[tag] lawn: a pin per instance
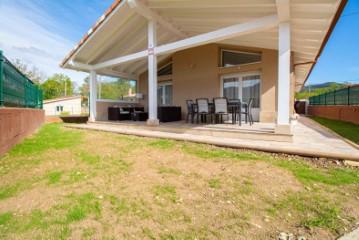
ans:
(74, 184)
(347, 130)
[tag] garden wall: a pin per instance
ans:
(344, 113)
(18, 123)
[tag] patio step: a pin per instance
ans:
(218, 130)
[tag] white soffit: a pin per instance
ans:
(125, 32)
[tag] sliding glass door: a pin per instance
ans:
(164, 94)
(244, 87)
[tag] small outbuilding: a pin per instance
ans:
(69, 105)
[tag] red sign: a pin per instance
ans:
(151, 51)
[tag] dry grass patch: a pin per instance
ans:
(110, 186)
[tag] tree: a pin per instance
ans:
(307, 94)
(85, 88)
(57, 86)
(34, 73)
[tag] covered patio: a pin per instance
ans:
(178, 50)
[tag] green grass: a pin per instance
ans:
(163, 143)
(8, 191)
(5, 217)
(167, 192)
(51, 136)
(347, 130)
(308, 174)
(90, 159)
(53, 177)
(164, 170)
(214, 183)
(314, 211)
(208, 152)
(86, 204)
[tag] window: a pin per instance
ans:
(251, 89)
(233, 58)
(114, 88)
(231, 87)
(59, 108)
(164, 94)
(244, 87)
(165, 70)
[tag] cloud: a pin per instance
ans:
(28, 33)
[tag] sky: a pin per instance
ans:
(339, 61)
(43, 32)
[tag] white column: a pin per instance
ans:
(93, 95)
(283, 118)
(152, 74)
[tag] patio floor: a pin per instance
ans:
(309, 139)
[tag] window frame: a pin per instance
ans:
(163, 84)
(237, 51)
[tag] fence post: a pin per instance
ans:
(334, 96)
(325, 99)
(1, 80)
(348, 95)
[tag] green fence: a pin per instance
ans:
(16, 90)
(345, 96)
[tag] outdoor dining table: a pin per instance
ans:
(236, 106)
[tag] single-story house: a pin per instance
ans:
(70, 105)
(177, 50)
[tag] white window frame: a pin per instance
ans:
(235, 51)
(162, 84)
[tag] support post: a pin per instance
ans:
(152, 74)
(283, 118)
(93, 95)
(1, 80)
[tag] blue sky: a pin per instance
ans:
(339, 61)
(43, 32)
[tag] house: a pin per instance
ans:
(70, 105)
(177, 50)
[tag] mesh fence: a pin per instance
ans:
(345, 96)
(16, 90)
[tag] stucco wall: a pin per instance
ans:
(73, 106)
(197, 73)
(16, 124)
(344, 113)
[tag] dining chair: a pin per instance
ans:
(191, 111)
(220, 107)
(203, 108)
(234, 110)
(248, 112)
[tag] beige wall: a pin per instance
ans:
(73, 106)
(197, 73)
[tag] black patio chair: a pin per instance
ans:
(203, 108)
(248, 112)
(220, 107)
(233, 109)
(191, 111)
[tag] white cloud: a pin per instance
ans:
(22, 37)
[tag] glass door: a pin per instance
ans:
(164, 94)
(244, 87)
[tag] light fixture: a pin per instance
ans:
(139, 95)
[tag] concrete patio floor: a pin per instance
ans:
(309, 138)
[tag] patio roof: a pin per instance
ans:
(124, 27)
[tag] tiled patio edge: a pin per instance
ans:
(216, 142)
